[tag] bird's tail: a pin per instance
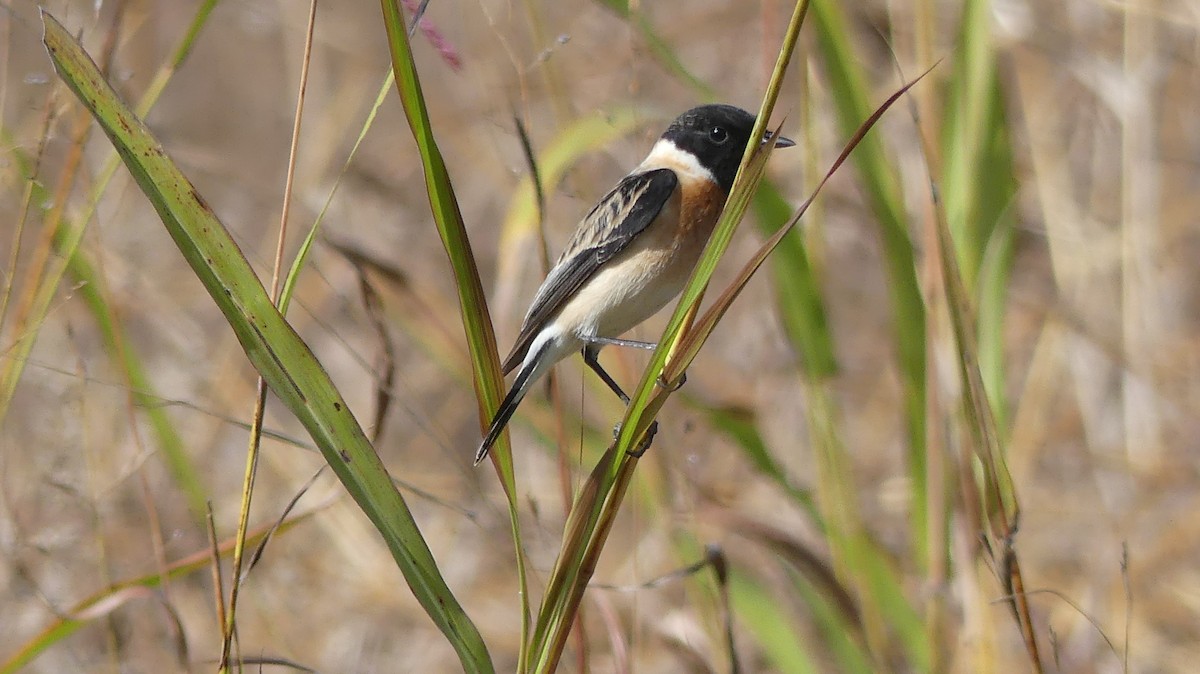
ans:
(529, 373)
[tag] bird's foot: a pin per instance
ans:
(648, 440)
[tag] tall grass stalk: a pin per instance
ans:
(481, 338)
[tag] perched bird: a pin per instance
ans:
(632, 253)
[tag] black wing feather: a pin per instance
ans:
(620, 216)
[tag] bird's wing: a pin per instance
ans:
(619, 217)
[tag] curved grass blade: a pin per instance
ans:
(477, 323)
(270, 343)
(472, 301)
(830, 604)
(774, 628)
(758, 610)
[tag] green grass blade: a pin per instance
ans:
(270, 343)
(477, 322)
(978, 206)
(850, 655)
(472, 302)
(992, 296)
(858, 559)
(975, 243)
(769, 617)
(966, 138)
(978, 188)
(831, 605)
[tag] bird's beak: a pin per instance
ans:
(781, 141)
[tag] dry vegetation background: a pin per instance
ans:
(1100, 330)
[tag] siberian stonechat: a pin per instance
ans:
(632, 253)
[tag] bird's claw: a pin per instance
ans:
(648, 440)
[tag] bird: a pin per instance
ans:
(631, 254)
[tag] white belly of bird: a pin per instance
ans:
(624, 294)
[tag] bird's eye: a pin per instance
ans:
(718, 134)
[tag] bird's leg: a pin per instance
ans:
(590, 353)
(595, 342)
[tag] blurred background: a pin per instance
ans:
(1077, 250)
